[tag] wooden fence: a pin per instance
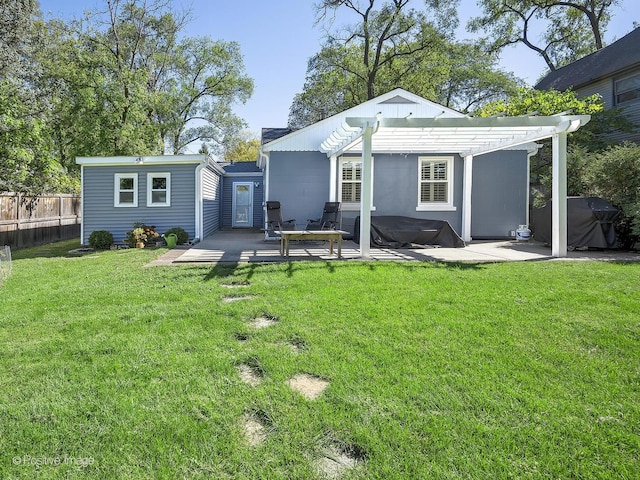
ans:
(27, 221)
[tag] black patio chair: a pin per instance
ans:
(330, 219)
(274, 218)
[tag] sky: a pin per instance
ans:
(277, 37)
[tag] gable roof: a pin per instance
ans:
(614, 58)
(396, 103)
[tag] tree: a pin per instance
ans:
(392, 32)
(207, 79)
(425, 62)
(26, 163)
(122, 83)
(572, 28)
(243, 149)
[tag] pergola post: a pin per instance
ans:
(559, 195)
(366, 197)
(466, 197)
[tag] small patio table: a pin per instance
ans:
(330, 235)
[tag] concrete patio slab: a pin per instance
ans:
(242, 246)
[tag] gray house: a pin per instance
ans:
(612, 72)
(165, 191)
(400, 154)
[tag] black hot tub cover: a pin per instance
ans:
(407, 232)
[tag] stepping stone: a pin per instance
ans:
(236, 299)
(309, 386)
(254, 431)
(263, 322)
(334, 462)
(249, 374)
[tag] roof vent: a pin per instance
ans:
(397, 99)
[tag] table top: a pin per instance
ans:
(314, 232)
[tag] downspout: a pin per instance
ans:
(530, 153)
(199, 220)
(264, 164)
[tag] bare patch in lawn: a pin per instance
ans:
(309, 386)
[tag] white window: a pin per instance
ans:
(435, 183)
(627, 89)
(125, 190)
(158, 189)
(350, 182)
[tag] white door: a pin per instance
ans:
(242, 208)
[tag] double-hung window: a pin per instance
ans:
(435, 183)
(125, 190)
(158, 189)
(627, 89)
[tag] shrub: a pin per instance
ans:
(183, 236)
(141, 233)
(614, 174)
(100, 239)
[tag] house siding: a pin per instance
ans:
(300, 182)
(98, 200)
(395, 190)
(499, 194)
(211, 183)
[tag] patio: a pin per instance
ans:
(242, 246)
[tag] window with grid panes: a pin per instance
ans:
(434, 180)
(158, 189)
(125, 190)
(350, 181)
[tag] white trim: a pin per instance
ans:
(142, 160)
(243, 174)
(82, 202)
(352, 206)
(150, 190)
(333, 178)
(199, 210)
(467, 189)
(116, 190)
(437, 206)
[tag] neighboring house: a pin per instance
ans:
(613, 72)
(399, 154)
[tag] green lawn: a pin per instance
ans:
(484, 371)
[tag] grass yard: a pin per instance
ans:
(109, 369)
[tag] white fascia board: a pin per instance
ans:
(142, 160)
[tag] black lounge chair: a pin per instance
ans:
(330, 219)
(274, 218)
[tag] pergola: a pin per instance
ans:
(466, 136)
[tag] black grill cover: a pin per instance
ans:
(407, 232)
(590, 223)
